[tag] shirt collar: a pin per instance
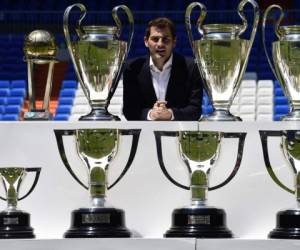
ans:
(167, 65)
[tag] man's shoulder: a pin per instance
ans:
(184, 61)
(136, 63)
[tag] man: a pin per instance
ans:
(162, 86)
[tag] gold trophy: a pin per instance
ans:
(286, 59)
(199, 150)
(222, 57)
(40, 49)
(15, 223)
(97, 148)
(98, 56)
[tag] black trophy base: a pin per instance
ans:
(287, 225)
(99, 115)
(98, 223)
(199, 222)
(15, 225)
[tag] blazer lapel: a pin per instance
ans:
(175, 78)
(146, 82)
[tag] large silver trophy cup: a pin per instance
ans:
(98, 56)
(97, 149)
(15, 223)
(286, 60)
(288, 221)
(222, 57)
(199, 150)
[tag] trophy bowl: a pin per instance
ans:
(285, 61)
(199, 150)
(98, 56)
(15, 223)
(287, 221)
(222, 57)
(97, 148)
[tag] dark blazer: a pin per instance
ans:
(183, 95)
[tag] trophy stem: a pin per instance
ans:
(98, 186)
(199, 187)
(11, 198)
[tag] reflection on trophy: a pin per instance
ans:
(97, 148)
(285, 63)
(199, 151)
(222, 57)
(39, 49)
(15, 223)
(98, 56)
(287, 221)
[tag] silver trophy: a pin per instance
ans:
(97, 148)
(15, 223)
(39, 49)
(222, 57)
(98, 56)
(287, 221)
(199, 150)
(285, 63)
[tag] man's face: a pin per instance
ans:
(160, 43)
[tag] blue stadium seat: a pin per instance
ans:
(4, 92)
(280, 100)
(18, 92)
(67, 93)
(3, 100)
(4, 84)
(64, 109)
(69, 84)
(10, 117)
(2, 109)
(15, 101)
(278, 92)
(20, 84)
(12, 109)
(281, 109)
(61, 117)
(66, 101)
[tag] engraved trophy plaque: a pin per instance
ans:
(286, 59)
(98, 56)
(15, 223)
(222, 57)
(287, 221)
(199, 150)
(97, 148)
(40, 49)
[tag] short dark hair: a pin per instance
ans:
(161, 22)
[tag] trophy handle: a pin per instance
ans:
(277, 31)
(129, 41)
(60, 145)
(59, 139)
(239, 157)
(245, 25)
(159, 134)
(36, 178)
(264, 141)
(200, 21)
(68, 37)
(135, 139)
